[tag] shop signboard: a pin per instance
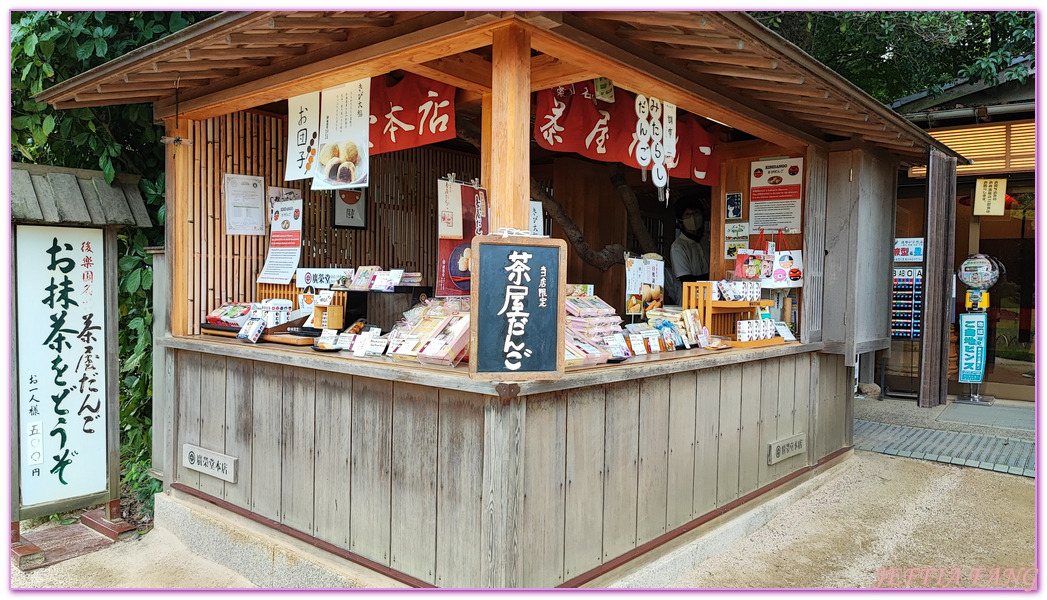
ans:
(908, 249)
(62, 367)
(973, 329)
(517, 308)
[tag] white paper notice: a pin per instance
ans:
(285, 243)
(537, 218)
(775, 190)
(244, 204)
(276, 194)
(449, 209)
(303, 119)
(342, 160)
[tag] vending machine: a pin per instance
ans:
(899, 371)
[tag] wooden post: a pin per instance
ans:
(503, 485)
(940, 224)
(510, 157)
(112, 384)
(486, 147)
(177, 165)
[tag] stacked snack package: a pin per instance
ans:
(755, 330)
(683, 325)
(433, 332)
(736, 290)
(590, 321)
(230, 314)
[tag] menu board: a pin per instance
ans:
(518, 308)
(62, 366)
(775, 193)
(906, 302)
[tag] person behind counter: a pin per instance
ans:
(690, 251)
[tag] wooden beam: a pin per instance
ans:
(466, 70)
(805, 90)
(682, 39)
(176, 76)
(328, 22)
(742, 72)
(226, 53)
(727, 58)
(104, 99)
(206, 65)
(549, 72)
(510, 125)
(642, 72)
(753, 148)
(804, 101)
(428, 37)
(825, 111)
(659, 18)
(234, 39)
(159, 86)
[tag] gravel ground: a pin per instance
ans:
(885, 513)
(158, 559)
(907, 412)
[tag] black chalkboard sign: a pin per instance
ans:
(517, 308)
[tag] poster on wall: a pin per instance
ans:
(61, 362)
(644, 284)
(990, 197)
(908, 249)
(350, 209)
(973, 330)
(733, 206)
(735, 236)
(285, 243)
(775, 194)
(303, 118)
(454, 270)
(342, 150)
(276, 194)
(244, 204)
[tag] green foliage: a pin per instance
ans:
(140, 485)
(48, 47)
(892, 54)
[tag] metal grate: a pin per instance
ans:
(1005, 455)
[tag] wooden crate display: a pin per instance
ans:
(720, 316)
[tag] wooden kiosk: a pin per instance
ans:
(423, 473)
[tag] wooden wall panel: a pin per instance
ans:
(266, 460)
(653, 463)
(217, 268)
(297, 448)
(680, 467)
(583, 524)
(545, 472)
(370, 477)
(730, 434)
(585, 191)
(187, 393)
(707, 441)
(621, 440)
(413, 541)
(332, 447)
(817, 167)
(212, 417)
(770, 372)
(749, 431)
(239, 425)
(460, 482)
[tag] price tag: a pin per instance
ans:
(363, 342)
(636, 341)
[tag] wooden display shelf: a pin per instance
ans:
(292, 340)
(733, 305)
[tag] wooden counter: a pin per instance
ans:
(390, 369)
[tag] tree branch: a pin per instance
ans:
(611, 254)
(632, 209)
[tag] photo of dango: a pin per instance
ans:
(340, 163)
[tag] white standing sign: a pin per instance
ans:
(244, 204)
(60, 277)
(285, 243)
(303, 120)
(342, 153)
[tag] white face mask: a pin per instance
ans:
(691, 223)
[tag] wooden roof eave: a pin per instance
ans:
(637, 70)
(175, 44)
(750, 29)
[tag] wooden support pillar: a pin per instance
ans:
(940, 242)
(177, 165)
(508, 128)
(486, 154)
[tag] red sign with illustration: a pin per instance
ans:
(571, 119)
(454, 273)
(413, 112)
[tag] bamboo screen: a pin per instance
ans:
(1003, 148)
(401, 211)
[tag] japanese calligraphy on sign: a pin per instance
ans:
(517, 305)
(990, 197)
(303, 119)
(973, 329)
(343, 140)
(61, 363)
(571, 118)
